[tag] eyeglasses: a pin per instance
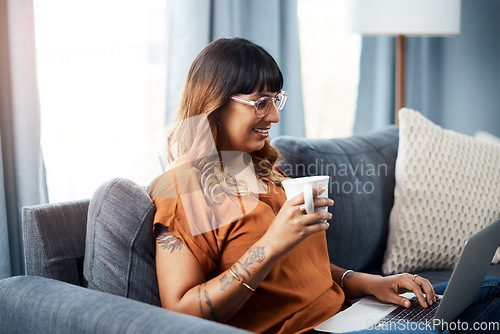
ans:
(263, 105)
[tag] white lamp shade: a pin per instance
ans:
(404, 17)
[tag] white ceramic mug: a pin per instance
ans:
(293, 187)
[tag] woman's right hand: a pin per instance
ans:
(291, 226)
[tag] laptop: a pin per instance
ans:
(465, 281)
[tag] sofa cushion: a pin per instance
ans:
(447, 187)
(120, 252)
(361, 170)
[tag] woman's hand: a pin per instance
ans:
(291, 225)
(387, 289)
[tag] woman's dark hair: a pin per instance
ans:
(226, 67)
(237, 66)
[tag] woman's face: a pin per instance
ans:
(241, 129)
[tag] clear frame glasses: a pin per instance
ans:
(263, 105)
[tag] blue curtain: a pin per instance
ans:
(453, 81)
(22, 177)
(273, 24)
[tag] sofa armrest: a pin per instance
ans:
(32, 304)
(54, 240)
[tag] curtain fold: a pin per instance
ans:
(22, 175)
(273, 24)
(451, 80)
(375, 103)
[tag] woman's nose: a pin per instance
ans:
(273, 115)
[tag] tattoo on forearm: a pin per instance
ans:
(238, 272)
(201, 306)
(351, 274)
(167, 240)
(255, 254)
(208, 302)
(212, 308)
(226, 281)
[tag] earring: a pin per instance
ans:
(219, 126)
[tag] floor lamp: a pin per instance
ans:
(403, 18)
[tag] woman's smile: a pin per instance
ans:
(262, 132)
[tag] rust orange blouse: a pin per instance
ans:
(297, 294)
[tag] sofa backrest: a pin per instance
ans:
(361, 170)
(120, 247)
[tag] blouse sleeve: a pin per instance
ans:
(183, 214)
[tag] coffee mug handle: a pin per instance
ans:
(308, 198)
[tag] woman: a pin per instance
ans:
(230, 246)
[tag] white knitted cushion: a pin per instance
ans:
(487, 137)
(447, 188)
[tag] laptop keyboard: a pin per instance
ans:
(416, 313)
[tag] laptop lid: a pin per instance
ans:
(469, 272)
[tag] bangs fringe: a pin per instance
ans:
(257, 70)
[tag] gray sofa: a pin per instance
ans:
(90, 264)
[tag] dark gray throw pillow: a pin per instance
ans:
(361, 170)
(120, 248)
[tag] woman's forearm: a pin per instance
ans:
(354, 284)
(222, 296)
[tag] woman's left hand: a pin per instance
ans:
(388, 288)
